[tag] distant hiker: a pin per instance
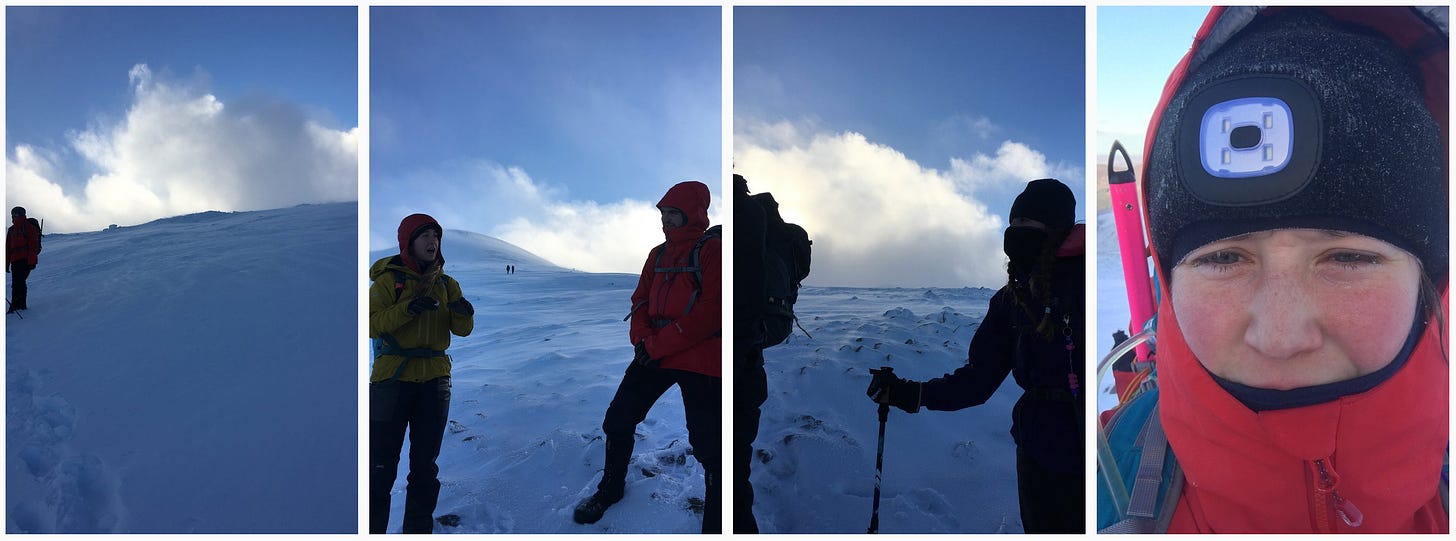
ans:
(414, 307)
(508, 269)
(677, 321)
(22, 253)
(1296, 186)
(1033, 329)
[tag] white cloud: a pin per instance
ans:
(505, 202)
(179, 150)
(878, 218)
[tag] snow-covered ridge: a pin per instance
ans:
(191, 374)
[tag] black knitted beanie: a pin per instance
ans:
(1048, 201)
(1300, 121)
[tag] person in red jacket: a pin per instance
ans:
(676, 333)
(22, 253)
(1296, 189)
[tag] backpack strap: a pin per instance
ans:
(694, 266)
(1147, 512)
(1143, 500)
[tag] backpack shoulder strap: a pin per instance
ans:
(1158, 482)
(399, 282)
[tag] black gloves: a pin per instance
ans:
(641, 357)
(887, 388)
(462, 307)
(421, 305)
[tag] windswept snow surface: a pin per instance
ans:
(530, 385)
(187, 375)
(814, 468)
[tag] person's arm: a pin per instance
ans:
(988, 361)
(385, 313)
(462, 313)
(641, 326)
(706, 317)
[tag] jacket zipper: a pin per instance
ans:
(1328, 503)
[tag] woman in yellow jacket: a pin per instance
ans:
(414, 307)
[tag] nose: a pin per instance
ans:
(1283, 320)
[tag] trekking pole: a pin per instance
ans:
(879, 456)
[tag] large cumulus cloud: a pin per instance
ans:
(877, 217)
(179, 150)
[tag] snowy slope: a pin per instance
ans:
(815, 453)
(530, 385)
(191, 374)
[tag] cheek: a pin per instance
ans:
(1211, 319)
(1370, 325)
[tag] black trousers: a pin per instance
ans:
(1051, 502)
(750, 389)
(19, 272)
(422, 408)
(702, 397)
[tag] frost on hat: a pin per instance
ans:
(1300, 122)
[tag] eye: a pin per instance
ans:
(1355, 260)
(1217, 258)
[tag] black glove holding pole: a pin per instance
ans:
(887, 388)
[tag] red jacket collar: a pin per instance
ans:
(1253, 472)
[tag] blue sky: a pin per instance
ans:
(900, 136)
(258, 99)
(554, 128)
(1137, 48)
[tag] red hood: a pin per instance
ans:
(1075, 243)
(692, 198)
(407, 227)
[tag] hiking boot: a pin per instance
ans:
(591, 509)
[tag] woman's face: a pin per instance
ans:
(426, 246)
(1292, 308)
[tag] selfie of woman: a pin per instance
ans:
(1294, 186)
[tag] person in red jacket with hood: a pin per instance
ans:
(1296, 188)
(676, 334)
(22, 253)
(1034, 331)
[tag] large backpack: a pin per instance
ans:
(39, 234)
(786, 254)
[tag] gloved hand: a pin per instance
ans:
(887, 388)
(421, 305)
(462, 307)
(641, 357)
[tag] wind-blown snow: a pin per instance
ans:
(530, 386)
(192, 374)
(814, 467)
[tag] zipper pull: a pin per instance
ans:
(1347, 511)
